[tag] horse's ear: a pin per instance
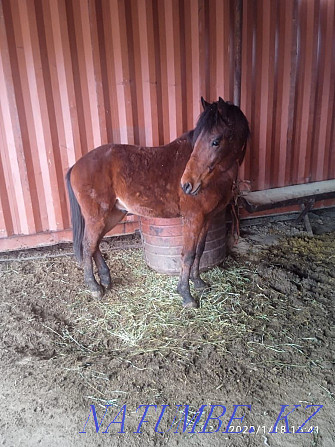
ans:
(222, 106)
(204, 103)
(223, 110)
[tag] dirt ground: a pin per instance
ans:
(257, 357)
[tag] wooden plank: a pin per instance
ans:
(288, 195)
(128, 226)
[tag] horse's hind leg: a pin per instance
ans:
(94, 232)
(103, 271)
(90, 245)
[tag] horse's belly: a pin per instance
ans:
(119, 205)
(162, 209)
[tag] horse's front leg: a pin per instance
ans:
(195, 273)
(191, 232)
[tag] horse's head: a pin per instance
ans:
(219, 139)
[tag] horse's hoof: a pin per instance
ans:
(191, 304)
(105, 282)
(199, 284)
(98, 294)
(106, 287)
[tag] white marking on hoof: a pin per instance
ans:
(190, 304)
(97, 294)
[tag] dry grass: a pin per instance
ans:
(266, 322)
(144, 313)
(268, 313)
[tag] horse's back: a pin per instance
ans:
(145, 179)
(92, 171)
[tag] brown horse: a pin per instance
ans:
(192, 177)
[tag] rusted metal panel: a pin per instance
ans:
(75, 74)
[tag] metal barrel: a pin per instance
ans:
(163, 241)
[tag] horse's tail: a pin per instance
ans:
(78, 222)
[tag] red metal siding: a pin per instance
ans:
(77, 73)
(288, 91)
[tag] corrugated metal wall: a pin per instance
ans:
(77, 73)
(288, 81)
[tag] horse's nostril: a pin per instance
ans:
(187, 187)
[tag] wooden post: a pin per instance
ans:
(238, 13)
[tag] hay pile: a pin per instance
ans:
(145, 314)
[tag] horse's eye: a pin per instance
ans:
(215, 143)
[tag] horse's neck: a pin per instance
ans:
(188, 136)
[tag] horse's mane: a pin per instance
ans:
(225, 115)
